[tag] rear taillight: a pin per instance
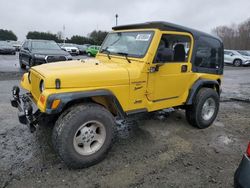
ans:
(248, 150)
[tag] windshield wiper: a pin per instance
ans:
(108, 52)
(125, 55)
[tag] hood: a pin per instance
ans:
(83, 73)
(70, 48)
(49, 52)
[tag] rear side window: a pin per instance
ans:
(209, 53)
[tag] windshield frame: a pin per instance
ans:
(129, 31)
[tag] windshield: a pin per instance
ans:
(4, 43)
(46, 45)
(130, 43)
(244, 53)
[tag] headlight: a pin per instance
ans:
(40, 56)
(41, 86)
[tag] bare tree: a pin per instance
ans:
(235, 36)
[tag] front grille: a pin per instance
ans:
(50, 59)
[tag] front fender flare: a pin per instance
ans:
(71, 96)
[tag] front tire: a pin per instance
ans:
(31, 62)
(83, 135)
(22, 66)
(204, 109)
(237, 63)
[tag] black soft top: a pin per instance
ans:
(164, 26)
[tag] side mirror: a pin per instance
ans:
(26, 48)
(232, 55)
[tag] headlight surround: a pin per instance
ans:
(40, 56)
(41, 86)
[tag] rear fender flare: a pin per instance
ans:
(198, 85)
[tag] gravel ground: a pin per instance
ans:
(160, 150)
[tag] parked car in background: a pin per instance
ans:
(71, 48)
(242, 174)
(82, 48)
(7, 48)
(36, 52)
(93, 50)
(244, 52)
(16, 44)
(235, 58)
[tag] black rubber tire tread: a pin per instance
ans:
(31, 62)
(69, 122)
(193, 112)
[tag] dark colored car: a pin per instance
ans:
(242, 174)
(83, 48)
(36, 52)
(7, 48)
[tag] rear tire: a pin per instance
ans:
(204, 109)
(83, 135)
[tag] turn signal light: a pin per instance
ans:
(42, 99)
(55, 103)
(248, 150)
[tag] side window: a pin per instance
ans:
(208, 53)
(173, 48)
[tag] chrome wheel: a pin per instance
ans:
(89, 138)
(208, 109)
(237, 63)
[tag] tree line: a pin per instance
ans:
(235, 37)
(95, 37)
(7, 35)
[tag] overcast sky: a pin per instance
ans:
(83, 16)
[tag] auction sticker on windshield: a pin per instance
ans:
(143, 37)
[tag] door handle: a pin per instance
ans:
(184, 68)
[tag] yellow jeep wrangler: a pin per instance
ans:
(140, 68)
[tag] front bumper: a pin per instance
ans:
(246, 62)
(242, 174)
(28, 113)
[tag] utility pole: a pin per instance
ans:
(64, 36)
(116, 19)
